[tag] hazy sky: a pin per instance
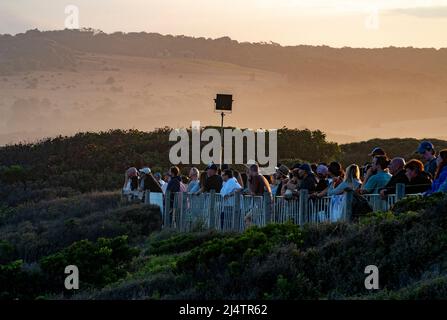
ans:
(357, 23)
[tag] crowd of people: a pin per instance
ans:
(380, 176)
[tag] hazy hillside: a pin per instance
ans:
(62, 82)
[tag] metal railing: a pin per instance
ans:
(188, 212)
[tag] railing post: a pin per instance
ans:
(237, 211)
(349, 198)
(303, 206)
(167, 216)
(147, 197)
(179, 222)
(400, 191)
(212, 209)
(267, 199)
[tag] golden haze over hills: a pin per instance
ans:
(63, 82)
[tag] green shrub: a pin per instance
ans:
(16, 283)
(37, 230)
(99, 263)
(419, 203)
(7, 252)
(432, 289)
(182, 242)
(217, 253)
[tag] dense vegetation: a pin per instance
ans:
(52, 215)
(326, 261)
(357, 152)
(66, 166)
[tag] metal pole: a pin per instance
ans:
(222, 140)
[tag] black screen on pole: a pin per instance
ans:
(224, 102)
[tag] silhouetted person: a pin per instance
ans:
(213, 180)
(377, 178)
(428, 153)
(257, 183)
(396, 168)
(420, 181)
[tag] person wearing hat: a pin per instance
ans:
(377, 151)
(427, 151)
(307, 177)
(213, 180)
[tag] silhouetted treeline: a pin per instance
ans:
(357, 152)
(96, 161)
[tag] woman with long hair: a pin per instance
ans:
(350, 182)
(441, 173)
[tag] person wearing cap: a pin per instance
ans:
(322, 176)
(427, 151)
(307, 177)
(148, 182)
(213, 180)
(377, 177)
(377, 151)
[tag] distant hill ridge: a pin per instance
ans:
(59, 49)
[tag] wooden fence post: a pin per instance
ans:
(167, 215)
(303, 206)
(212, 215)
(349, 199)
(237, 211)
(267, 199)
(400, 191)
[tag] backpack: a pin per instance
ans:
(360, 206)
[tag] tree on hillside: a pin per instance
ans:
(14, 174)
